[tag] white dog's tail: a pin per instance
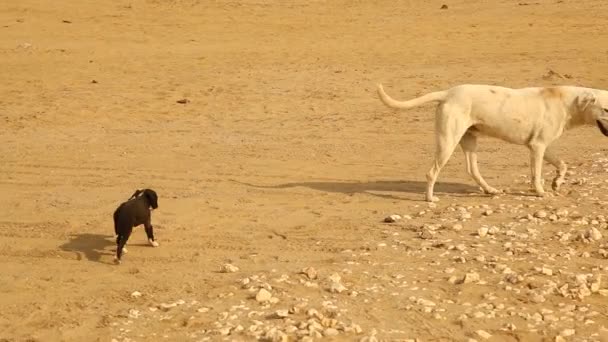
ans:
(430, 97)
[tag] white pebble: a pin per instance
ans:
(228, 268)
(263, 296)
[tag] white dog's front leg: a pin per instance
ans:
(536, 163)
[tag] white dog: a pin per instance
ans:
(534, 117)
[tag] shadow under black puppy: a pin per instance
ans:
(132, 213)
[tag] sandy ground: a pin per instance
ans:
(284, 158)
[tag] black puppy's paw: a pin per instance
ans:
(117, 261)
(153, 243)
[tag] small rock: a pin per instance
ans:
(330, 332)
(314, 313)
(546, 271)
(470, 278)
(167, 307)
(335, 287)
(444, 6)
(594, 234)
(356, 328)
(392, 218)
(225, 331)
(540, 214)
(183, 101)
(134, 313)
(425, 302)
(136, 294)
(483, 334)
(281, 313)
(426, 234)
(567, 332)
(493, 230)
(310, 272)
(334, 278)
(482, 232)
(263, 296)
(538, 298)
(228, 268)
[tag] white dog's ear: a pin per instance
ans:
(586, 99)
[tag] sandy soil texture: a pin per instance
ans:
(283, 163)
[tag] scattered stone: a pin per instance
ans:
(470, 277)
(593, 234)
(136, 294)
(281, 313)
(482, 232)
(567, 332)
(562, 213)
(337, 287)
(310, 272)
(263, 296)
(392, 218)
(457, 227)
(546, 271)
(134, 313)
(167, 307)
(483, 334)
(330, 332)
(228, 268)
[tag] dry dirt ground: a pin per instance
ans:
(285, 159)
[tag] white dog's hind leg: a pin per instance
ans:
(536, 164)
(449, 130)
(469, 147)
(561, 167)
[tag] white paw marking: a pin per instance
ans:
(153, 243)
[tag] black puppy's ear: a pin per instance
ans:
(136, 193)
(152, 198)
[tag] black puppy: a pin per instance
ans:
(132, 213)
